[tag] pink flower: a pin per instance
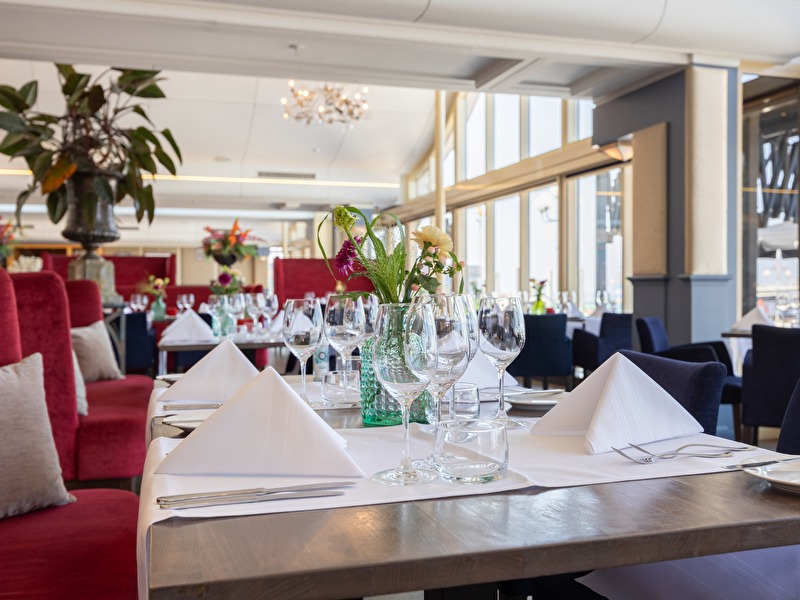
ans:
(346, 257)
(224, 279)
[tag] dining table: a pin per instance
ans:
(243, 343)
(459, 547)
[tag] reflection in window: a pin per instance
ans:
(476, 137)
(543, 238)
(584, 110)
(544, 123)
(506, 245)
(599, 236)
(506, 130)
(475, 243)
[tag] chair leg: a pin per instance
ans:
(754, 436)
(544, 382)
(737, 422)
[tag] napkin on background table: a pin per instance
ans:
(188, 327)
(598, 312)
(755, 317)
(572, 310)
(618, 405)
(214, 378)
(481, 372)
(265, 429)
(277, 323)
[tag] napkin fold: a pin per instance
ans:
(188, 327)
(481, 372)
(277, 323)
(265, 429)
(572, 310)
(757, 316)
(618, 405)
(598, 312)
(214, 378)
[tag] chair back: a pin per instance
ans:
(44, 327)
(770, 375)
(547, 350)
(11, 348)
(616, 333)
(294, 277)
(789, 438)
(85, 302)
(652, 335)
(696, 386)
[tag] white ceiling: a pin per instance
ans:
(227, 62)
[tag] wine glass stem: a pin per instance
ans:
(346, 353)
(501, 392)
(405, 460)
(303, 394)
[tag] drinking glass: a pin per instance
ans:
(302, 332)
(601, 299)
(404, 358)
(502, 328)
(218, 307)
(345, 324)
(471, 451)
(467, 400)
(179, 302)
(271, 307)
(255, 308)
(188, 301)
(452, 345)
(136, 303)
(371, 303)
(236, 307)
(340, 388)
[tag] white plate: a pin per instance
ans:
(785, 477)
(538, 400)
(188, 420)
(170, 377)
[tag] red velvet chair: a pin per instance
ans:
(86, 549)
(108, 444)
(294, 277)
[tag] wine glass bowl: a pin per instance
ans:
(302, 332)
(345, 325)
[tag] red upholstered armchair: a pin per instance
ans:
(109, 442)
(294, 277)
(86, 549)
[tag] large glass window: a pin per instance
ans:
(544, 124)
(476, 136)
(449, 168)
(506, 130)
(475, 243)
(543, 238)
(506, 245)
(599, 237)
(584, 111)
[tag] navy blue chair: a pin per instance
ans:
(186, 360)
(769, 375)
(789, 438)
(589, 351)
(654, 340)
(547, 351)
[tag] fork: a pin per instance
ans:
(651, 458)
(728, 450)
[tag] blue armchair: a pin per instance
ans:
(589, 351)
(547, 351)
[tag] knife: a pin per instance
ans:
(232, 494)
(197, 406)
(224, 500)
(763, 463)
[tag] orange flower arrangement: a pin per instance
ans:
(229, 241)
(6, 237)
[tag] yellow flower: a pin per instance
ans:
(433, 236)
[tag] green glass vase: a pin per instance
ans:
(158, 309)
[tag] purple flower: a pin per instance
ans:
(346, 257)
(224, 279)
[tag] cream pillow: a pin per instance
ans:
(80, 387)
(95, 354)
(30, 475)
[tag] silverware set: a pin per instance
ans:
(245, 496)
(650, 457)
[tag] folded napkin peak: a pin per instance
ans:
(277, 323)
(598, 312)
(618, 405)
(756, 316)
(481, 372)
(265, 429)
(215, 377)
(189, 326)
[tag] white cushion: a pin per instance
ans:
(95, 354)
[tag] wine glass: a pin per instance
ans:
(502, 336)
(302, 332)
(180, 303)
(467, 301)
(188, 301)
(371, 303)
(404, 358)
(255, 308)
(271, 307)
(452, 345)
(236, 307)
(136, 302)
(601, 299)
(345, 325)
(218, 307)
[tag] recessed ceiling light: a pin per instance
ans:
(222, 159)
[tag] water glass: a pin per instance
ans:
(467, 403)
(471, 451)
(340, 388)
(302, 333)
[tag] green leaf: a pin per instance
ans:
(133, 77)
(65, 70)
(29, 92)
(11, 122)
(75, 87)
(21, 200)
(57, 204)
(96, 98)
(144, 133)
(103, 189)
(88, 202)
(165, 160)
(122, 191)
(168, 136)
(13, 143)
(149, 91)
(41, 164)
(146, 162)
(149, 203)
(140, 111)
(42, 118)
(10, 99)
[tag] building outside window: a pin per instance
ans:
(506, 245)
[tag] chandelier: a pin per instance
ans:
(327, 104)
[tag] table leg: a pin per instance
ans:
(162, 362)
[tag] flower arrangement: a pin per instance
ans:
(229, 281)
(537, 289)
(363, 254)
(6, 237)
(229, 241)
(156, 286)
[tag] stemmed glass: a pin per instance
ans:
(218, 307)
(271, 308)
(345, 325)
(502, 336)
(236, 307)
(467, 302)
(188, 301)
(302, 332)
(404, 358)
(179, 303)
(255, 308)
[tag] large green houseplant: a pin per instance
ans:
(93, 155)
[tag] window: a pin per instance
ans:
(506, 245)
(476, 137)
(543, 237)
(599, 239)
(475, 243)
(423, 184)
(584, 110)
(506, 130)
(544, 125)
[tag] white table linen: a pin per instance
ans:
(188, 327)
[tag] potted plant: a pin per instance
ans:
(93, 155)
(226, 246)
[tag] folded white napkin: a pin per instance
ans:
(214, 378)
(204, 308)
(300, 324)
(265, 429)
(481, 372)
(618, 405)
(598, 312)
(188, 327)
(572, 310)
(277, 323)
(755, 317)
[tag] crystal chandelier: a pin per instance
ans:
(327, 104)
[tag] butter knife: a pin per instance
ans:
(229, 494)
(198, 406)
(222, 501)
(762, 463)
